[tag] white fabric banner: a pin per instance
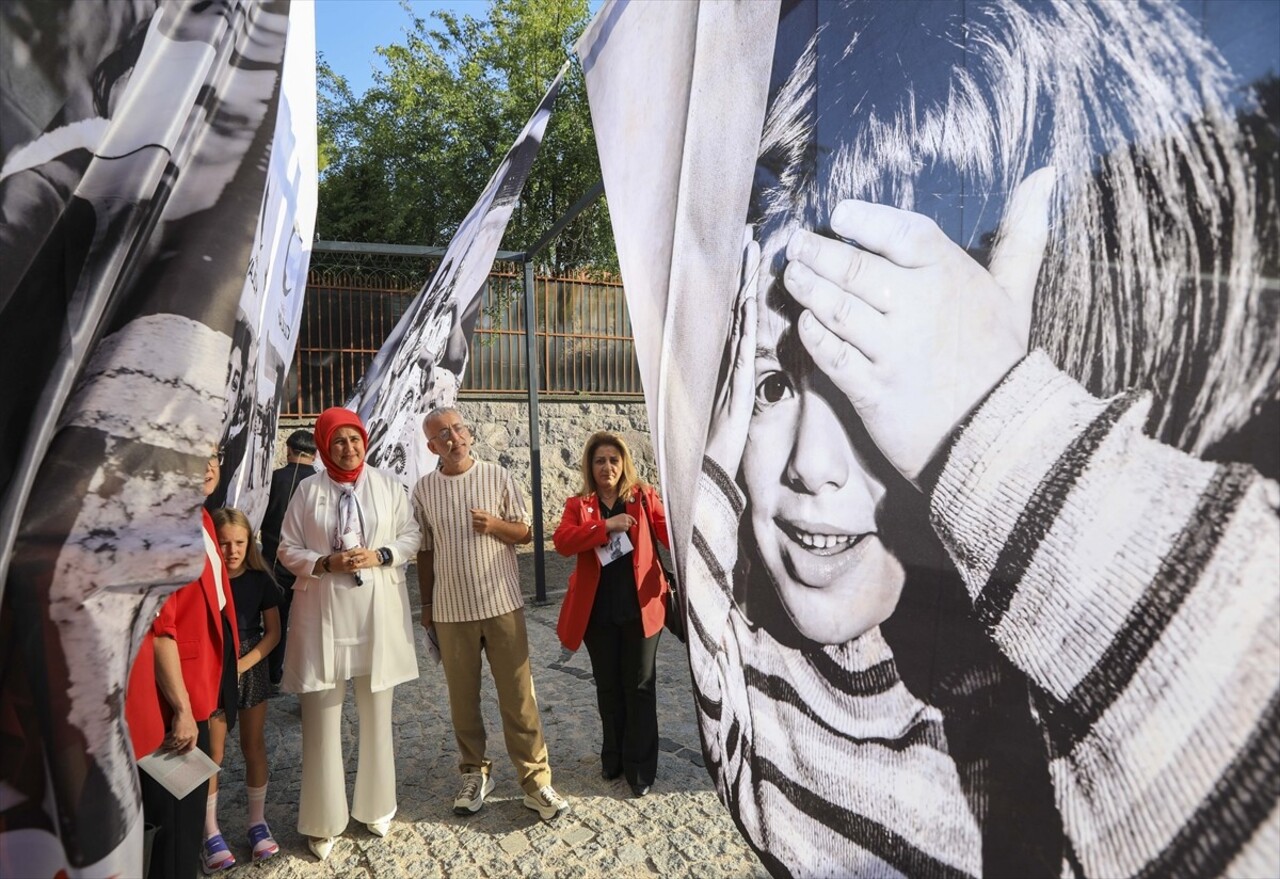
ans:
(271, 304)
(642, 183)
(669, 173)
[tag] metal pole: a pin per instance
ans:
(531, 357)
(535, 446)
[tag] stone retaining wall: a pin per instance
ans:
(502, 436)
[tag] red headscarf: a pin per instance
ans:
(327, 425)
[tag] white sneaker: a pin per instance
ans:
(475, 787)
(546, 802)
(320, 847)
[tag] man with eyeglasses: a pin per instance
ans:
(472, 515)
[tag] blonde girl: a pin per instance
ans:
(257, 599)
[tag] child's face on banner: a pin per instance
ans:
(812, 500)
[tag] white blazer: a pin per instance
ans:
(305, 536)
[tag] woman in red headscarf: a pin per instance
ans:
(347, 535)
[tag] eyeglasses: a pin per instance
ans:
(460, 430)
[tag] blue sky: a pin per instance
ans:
(348, 31)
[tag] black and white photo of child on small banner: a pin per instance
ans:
(618, 546)
(421, 364)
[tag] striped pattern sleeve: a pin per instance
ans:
(827, 762)
(477, 575)
(1139, 588)
(419, 499)
(512, 508)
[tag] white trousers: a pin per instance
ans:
(322, 810)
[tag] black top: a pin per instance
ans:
(253, 592)
(616, 598)
(283, 484)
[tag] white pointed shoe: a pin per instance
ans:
(320, 847)
(380, 828)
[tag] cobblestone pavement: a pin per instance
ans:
(680, 829)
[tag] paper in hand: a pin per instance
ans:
(618, 546)
(179, 774)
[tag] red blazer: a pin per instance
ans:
(581, 531)
(190, 617)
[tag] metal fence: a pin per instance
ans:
(583, 339)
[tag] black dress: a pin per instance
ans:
(254, 592)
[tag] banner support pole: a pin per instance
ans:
(530, 347)
(535, 444)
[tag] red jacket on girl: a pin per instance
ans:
(190, 616)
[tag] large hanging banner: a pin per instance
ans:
(420, 365)
(970, 424)
(136, 139)
(649, 110)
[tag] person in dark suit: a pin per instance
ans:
(300, 455)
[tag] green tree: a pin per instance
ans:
(404, 162)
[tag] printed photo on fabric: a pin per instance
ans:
(984, 532)
(133, 171)
(421, 364)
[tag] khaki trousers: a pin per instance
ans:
(322, 802)
(505, 642)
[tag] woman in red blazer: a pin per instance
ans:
(615, 602)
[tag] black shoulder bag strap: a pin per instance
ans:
(671, 602)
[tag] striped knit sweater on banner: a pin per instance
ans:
(477, 577)
(1137, 587)
(829, 764)
(1139, 590)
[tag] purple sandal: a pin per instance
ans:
(217, 857)
(262, 843)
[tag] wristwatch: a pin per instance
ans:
(384, 556)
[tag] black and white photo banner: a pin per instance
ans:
(266, 330)
(135, 146)
(974, 494)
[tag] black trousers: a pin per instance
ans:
(175, 850)
(623, 661)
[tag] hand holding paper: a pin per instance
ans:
(179, 774)
(618, 546)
